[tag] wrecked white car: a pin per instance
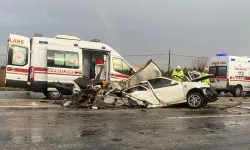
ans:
(148, 88)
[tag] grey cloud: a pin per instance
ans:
(188, 27)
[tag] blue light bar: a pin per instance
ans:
(40, 42)
(221, 54)
(232, 59)
(45, 42)
(248, 60)
(75, 44)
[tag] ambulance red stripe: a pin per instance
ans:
(17, 69)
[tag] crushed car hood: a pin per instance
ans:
(149, 71)
(202, 78)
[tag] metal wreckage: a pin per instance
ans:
(146, 88)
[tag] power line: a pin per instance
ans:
(139, 55)
(142, 55)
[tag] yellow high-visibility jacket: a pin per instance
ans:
(206, 80)
(175, 75)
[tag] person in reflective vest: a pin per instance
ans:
(205, 73)
(178, 74)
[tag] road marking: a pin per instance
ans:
(219, 116)
(29, 106)
(246, 107)
(221, 103)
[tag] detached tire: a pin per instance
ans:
(52, 95)
(195, 100)
(237, 91)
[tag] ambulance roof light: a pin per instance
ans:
(67, 37)
(232, 59)
(95, 40)
(221, 54)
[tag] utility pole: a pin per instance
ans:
(169, 54)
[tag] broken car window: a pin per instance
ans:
(159, 82)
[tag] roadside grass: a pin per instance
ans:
(11, 89)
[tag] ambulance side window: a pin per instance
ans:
(121, 66)
(212, 70)
(222, 71)
(62, 59)
(17, 55)
(218, 70)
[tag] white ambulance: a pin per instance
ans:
(231, 73)
(37, 62)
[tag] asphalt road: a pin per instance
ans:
(20, 95)
(169, 128)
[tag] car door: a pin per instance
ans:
(18, 61)
(168, 91)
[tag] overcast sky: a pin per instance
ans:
(188, 27)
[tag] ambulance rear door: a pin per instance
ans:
(219, 68)
(18, 61)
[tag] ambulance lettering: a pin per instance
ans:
(218, 63)
(61, 71)
(17, 41)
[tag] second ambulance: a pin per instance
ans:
(231, 73)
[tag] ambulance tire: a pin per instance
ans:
(237, 91)
(45, 93)
(52, 95)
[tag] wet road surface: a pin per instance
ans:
(170, 128)
(21, 95)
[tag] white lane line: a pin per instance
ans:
(221, 103)
(219, 116)
(246, 107)
(29, 106)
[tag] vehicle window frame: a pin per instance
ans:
(214, 72)
(10, 55)
(158, 86)
(52, 63)
(217, 70)
(225, 71)
(122, 61)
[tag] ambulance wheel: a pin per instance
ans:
(53, 95)
(45, 93)
(237, 91)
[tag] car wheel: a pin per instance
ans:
(54, 95)
(195, 100)
(237, 91)
(45, 93)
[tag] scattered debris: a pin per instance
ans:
(87, 133)
(66, 104)
(116, 139)
(246, 107)
(34, 104)
(94, 107)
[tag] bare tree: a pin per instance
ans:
(200, 63)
